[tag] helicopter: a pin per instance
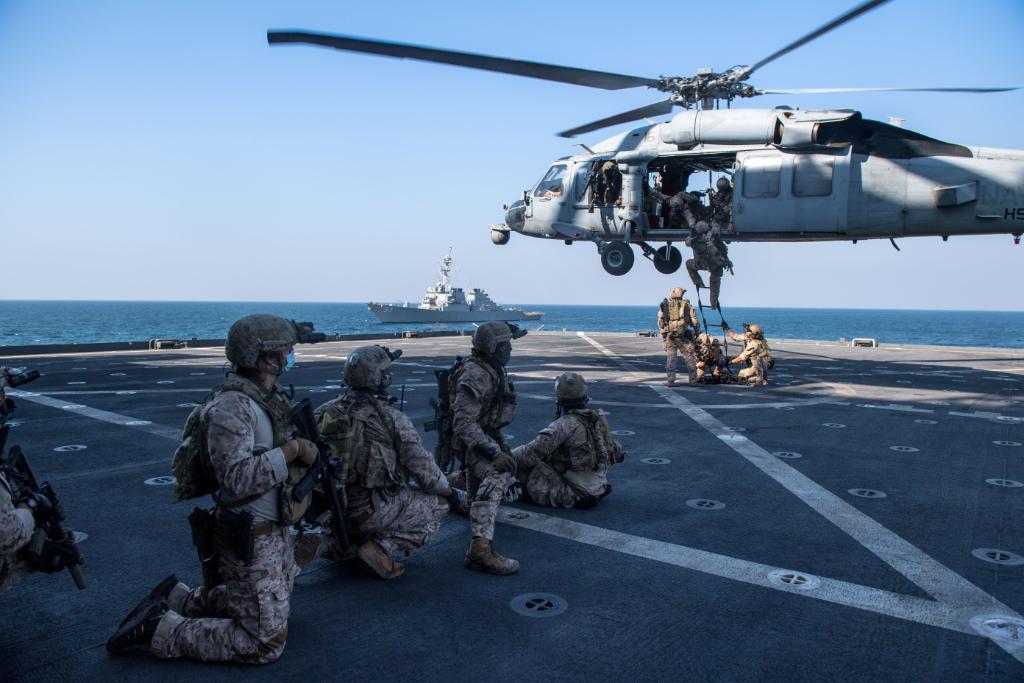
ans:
(793, 175)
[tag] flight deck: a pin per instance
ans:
(860, 518)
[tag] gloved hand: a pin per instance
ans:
(487, 449)
(300, 449)
(503, 462)
(725, 326)
(514, 492)
(54, 557)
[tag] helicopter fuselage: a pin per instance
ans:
(796, 175)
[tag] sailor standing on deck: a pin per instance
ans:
(678, 324)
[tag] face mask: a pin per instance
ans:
(290, 362)
(503, 353)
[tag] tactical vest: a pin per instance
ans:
(599, 450)
(364, 441)
(191, 465)
(677, 316)
(705, 350)
(763, 353)
(499, 400)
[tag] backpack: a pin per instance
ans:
(191, 467)
(336, 427)
(191, 464)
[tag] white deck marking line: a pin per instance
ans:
(102, 415)
(983, 415)
(931, 576)
(795, 403)
(894, 406)
(897, 605)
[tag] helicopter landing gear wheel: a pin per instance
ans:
(617, 258)
(667, 260)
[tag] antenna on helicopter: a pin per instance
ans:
(580, 144)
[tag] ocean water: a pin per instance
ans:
(66, 322)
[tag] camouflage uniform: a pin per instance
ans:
(245, 618)
(485, 401)
(721, 208)
(710, 253)
(709, 355)
(16, 526)
(677, 205)
(386, 451)
(677, 320)
(756, 351)
(567, 464)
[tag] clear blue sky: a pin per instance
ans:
(161, 150)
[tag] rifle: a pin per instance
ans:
(322, 472)
(47, 511)
(442, 420)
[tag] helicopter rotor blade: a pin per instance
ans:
(656, 109)
(815, 91)
(548, 72)
(817, 33)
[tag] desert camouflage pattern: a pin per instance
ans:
(721, 209)
(755, 350)
(709, 356)
(243, 620)
(477, 418)
(381, 506)
(230, 420)
(681, 316)
(16, 528)
(710, 253)
(677, 204)
(569, 459)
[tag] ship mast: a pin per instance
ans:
(446, 269)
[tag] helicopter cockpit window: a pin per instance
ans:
(761, 176)
(552, 182)
(812, 175)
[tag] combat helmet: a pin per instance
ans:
(676, 293)
(488, 336)
(723, 184)
(255, 334)
(367, 367)
(570, 387)
(755, 331)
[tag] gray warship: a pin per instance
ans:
(443, 303)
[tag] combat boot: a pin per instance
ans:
(671, 381)
(159, 594)
(482, 557)
(138, 628)
(377, 559)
